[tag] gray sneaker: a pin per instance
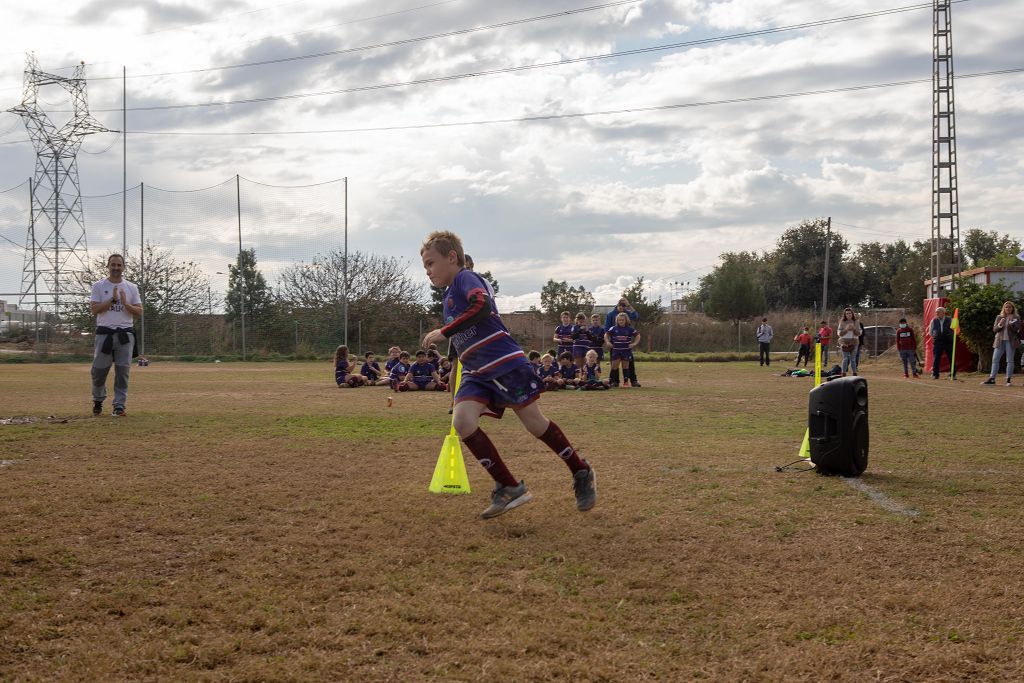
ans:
(505, 498)
(584, 485)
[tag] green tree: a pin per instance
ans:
(875, 265)
(556, 297)
(793, 271)
(247, 284)
(650, 311)
(735, 293)
(436, 306)
(983, 248)
(907, 282)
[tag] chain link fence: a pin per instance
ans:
(239, 269)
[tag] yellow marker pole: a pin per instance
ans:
(805, 446)
(952, 357)
(450, 471)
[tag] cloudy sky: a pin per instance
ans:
(595, 200)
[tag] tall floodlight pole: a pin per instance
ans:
(56, 250)
(945, 252)
(344, 266)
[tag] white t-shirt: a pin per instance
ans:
(117, 315)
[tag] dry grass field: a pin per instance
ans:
(251, 522)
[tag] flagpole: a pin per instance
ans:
(952, 356)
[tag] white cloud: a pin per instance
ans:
(592, 201)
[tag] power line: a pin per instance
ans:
(269, 35)
(541, 65)
(393, 43)
(553, 117)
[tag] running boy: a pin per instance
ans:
(623, 339)
(496, 376)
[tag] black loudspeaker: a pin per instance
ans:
(838, 424)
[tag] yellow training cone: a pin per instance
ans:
(450, 470)
(805, 447)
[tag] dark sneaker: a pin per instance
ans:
(990, 380)
(584, 485)
(1009, 382)
(636, 384)
(97, 407)
(119, 412)
(505, 498)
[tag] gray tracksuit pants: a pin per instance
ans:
(121, 359)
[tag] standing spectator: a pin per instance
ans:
(824, 338)
(941, 332)
(860, 336)
(609, 322)
(849, 332)
(804, 339)
(764, 341)
(906, 344)
(114, 301)
(1007, 329)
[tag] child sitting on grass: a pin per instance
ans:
(590, 373)
(399, 372)
(343, 366)
(371, 370)
(548, 373)
(567, 370)
(422, 375)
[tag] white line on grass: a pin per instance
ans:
(880, 498)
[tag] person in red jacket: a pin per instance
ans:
(906, 344)
(804, 339)
(825, 338)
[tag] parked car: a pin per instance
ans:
(878, 339)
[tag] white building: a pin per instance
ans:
(1011, 277)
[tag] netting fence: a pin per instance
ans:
(239, 269)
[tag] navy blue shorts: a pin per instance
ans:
(562, 348)
(516, 388)
(622, 354)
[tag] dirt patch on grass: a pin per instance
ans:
(281, 529)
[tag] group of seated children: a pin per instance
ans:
(581, 350)
(579, 353)
(430, 371)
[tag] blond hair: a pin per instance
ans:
(1013, 307)
(445, 242)
(591, 354)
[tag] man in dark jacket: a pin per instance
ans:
(941, 332)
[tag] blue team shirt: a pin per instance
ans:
(581, 336)
(486, 349)
(543, 372)
(390, 363)
(370, 370)
(399, 370)
(568, 371)
(424, 369)
(596, 336)
(621, 337)
(592, 371)
(565, 334)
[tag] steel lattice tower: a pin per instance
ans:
(945, 204)
(55, 250)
